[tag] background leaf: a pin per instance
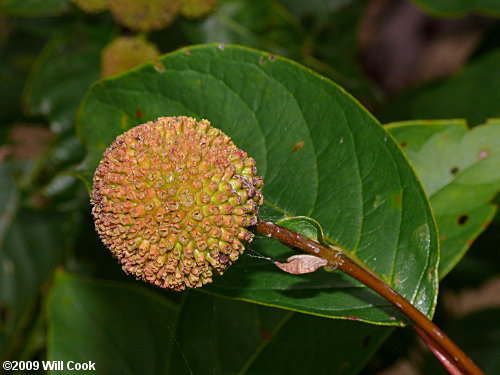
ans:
(242, 338)
(33, 8)
(22, 42)
(473, 94)
(212, 334)
(459, 170)
(123, 329)
(453, 7)
(66, 68)
(320, 34)
(30, 248)
(254, 23)
(349, 175)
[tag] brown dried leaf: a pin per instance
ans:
(303, 263)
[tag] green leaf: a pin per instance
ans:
(22, 46)
(33, 8)
(122, 329)
(473, 94)
(320, 10)
(327, 45)
(30, 248)
(459, 7)
(333, 49)
(459, 170)
(348, 174)
(255, 23)
(64, 71)
(242, 338)
(306, 226)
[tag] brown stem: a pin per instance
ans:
(439, 353)
(340, 261)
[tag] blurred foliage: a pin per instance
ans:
(454, 8)
(458, 170)
(62, 296)
(473, 94)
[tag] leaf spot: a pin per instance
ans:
(454, 170)
(462, 219)
(352, 317)
(266, 335)
(403, 144)
(484, 153)
(139, 113)
(398, 199)
(486, 224)
(298, 146)
(159, 67)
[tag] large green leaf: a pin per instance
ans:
(122, 329)
(30, 247)
(64, 71)
(349, 174)
(241, 338)
(460, 171)
(459, 7)
(473, 94)
(207, 334)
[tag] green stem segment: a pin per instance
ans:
(337, 259)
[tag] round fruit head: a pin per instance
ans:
(172, 200)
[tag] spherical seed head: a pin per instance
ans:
(172, 199)
(125, 53)
(197, 8)
(145, 15)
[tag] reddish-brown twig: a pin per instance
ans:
(338, 260)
